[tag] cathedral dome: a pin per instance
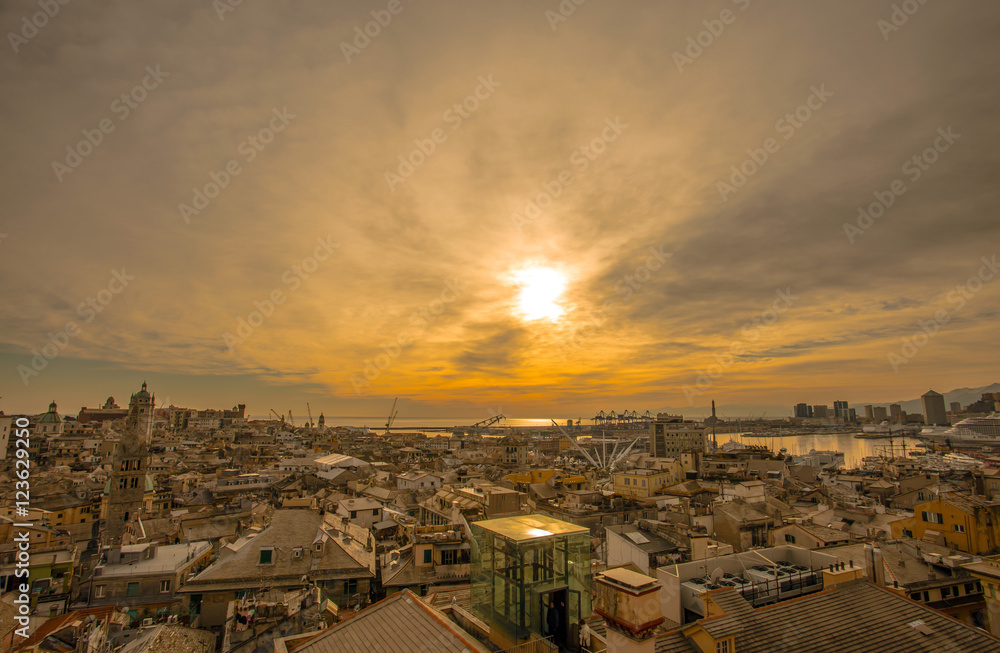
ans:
(51, 417)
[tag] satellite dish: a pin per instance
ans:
(716, 575)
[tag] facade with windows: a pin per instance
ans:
(966, 524)
(145, 574)
(525, 566)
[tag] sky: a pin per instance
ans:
(534, 208)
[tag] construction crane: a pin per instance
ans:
(290, 420)
(488, 422)
(392, 416)
(310, 413)
(281, 418)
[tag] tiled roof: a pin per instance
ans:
(855, 617)
(674, 642)
(288, 529)
(401, 623)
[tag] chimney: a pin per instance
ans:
(630, 604)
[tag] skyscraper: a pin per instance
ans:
(803, 410)
(841, 409)
(896, 412)
(934, 412)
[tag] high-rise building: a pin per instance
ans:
(840, 409)
(803, 410)
(670, 436)
(869, 412)
(934, 413)
(956, 407)
(821, 411)
(852, 415)
(879, 414)
(896, 412)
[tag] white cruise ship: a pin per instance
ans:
(972, 432)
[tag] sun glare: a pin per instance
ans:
(541, 290)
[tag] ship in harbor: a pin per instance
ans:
(973, 432)
(887, 430)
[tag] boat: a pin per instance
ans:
(974, 432)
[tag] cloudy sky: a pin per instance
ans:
(482, 206)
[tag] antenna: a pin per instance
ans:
(716, 575)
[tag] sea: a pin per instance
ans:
(854, 449)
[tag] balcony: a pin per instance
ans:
(452, 572)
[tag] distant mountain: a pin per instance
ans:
(964, 396)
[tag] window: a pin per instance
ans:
(99, 592)
(960, 528)
(354, 514)
(165, 585)
(428, 556)
(907, 532)
(375, 512)
(722, 647)
(946, 592)
(970, 588)
(790, 538)
(133, 589)
(351, 586)
(932, 517)
(920, 496)
(266, 556)
(319, 547)
(122, 483)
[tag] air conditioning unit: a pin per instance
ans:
(147, 622)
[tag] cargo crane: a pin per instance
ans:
(392, 416)
(281, 418)
(310, 413)
(290, 420)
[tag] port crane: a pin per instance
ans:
(290, 420)
(281, 418)
(310, 413)
(392, 416)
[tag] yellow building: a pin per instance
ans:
(641, 483)
(962, 522)
(988, 574)
(527, 477)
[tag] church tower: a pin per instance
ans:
(128, 481)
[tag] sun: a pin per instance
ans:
(541, 289)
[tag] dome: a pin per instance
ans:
(142, 394)
(51, 417)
